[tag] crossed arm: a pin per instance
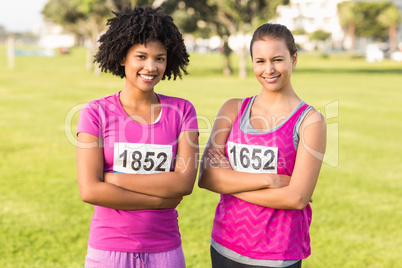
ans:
(135, 191)
(269, 190)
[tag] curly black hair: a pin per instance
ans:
(140, 25)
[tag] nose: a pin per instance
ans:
(269, 68)
(150, 66)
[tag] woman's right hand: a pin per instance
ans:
(218, 159)
(170, 202)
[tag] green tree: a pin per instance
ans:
(361, 19)
(241, 17)
(86, 18)
(391, 18)
(367, 25)
(191, 16)
(223, 17)
(320, 36)
(199, 17)
(348, 19)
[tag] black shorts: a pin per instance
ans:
(219, 261)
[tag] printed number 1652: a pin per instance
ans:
(250, 158)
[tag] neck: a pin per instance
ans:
(138, 98)
(278, 100)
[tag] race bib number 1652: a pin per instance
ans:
(253, 158)
(141, 158)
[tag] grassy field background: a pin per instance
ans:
(357, 211)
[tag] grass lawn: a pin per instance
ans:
(356, 208)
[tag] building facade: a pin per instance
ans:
(312, 15)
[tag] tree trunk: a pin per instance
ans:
(91, 51)
(352, 35)
(243, 62)
(243, 58)
(11, 52)
(393, 43)
(89, 59)
(227, 68)
(97, 68)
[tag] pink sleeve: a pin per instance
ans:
(89, 120)
(189, 120)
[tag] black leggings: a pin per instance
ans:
(219, 261)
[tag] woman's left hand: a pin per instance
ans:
(109, 178)
(218, 160)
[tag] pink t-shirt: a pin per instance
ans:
(132, 147)
(255, 231)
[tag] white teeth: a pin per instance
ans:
(147, 77)
(271, 79)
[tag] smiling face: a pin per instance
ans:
(273, 64)
(145, 65)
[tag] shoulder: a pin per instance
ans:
(93, 114)
(174, 100)
(314, 117)
(181, 109)
(232, 103)
(102, 102)
(314, 125)
(231, 108)
(313, 132)
(227, 114)
(101, 107)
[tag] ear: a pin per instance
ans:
(294, 60)
(123, 62)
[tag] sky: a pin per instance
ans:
(21, 15)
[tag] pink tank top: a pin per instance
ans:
(255, 231)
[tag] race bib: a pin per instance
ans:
(253, 158)
(140, 158)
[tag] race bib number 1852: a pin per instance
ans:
(141, 158)
(253, 158)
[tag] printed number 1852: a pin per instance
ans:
(148, 163)
(142, 158)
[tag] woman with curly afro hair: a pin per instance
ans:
(137, 149)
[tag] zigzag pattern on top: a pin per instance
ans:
(261, 232)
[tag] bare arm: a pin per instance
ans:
(221, 178)
(95, 191)
(309, 158)
(174, 184)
